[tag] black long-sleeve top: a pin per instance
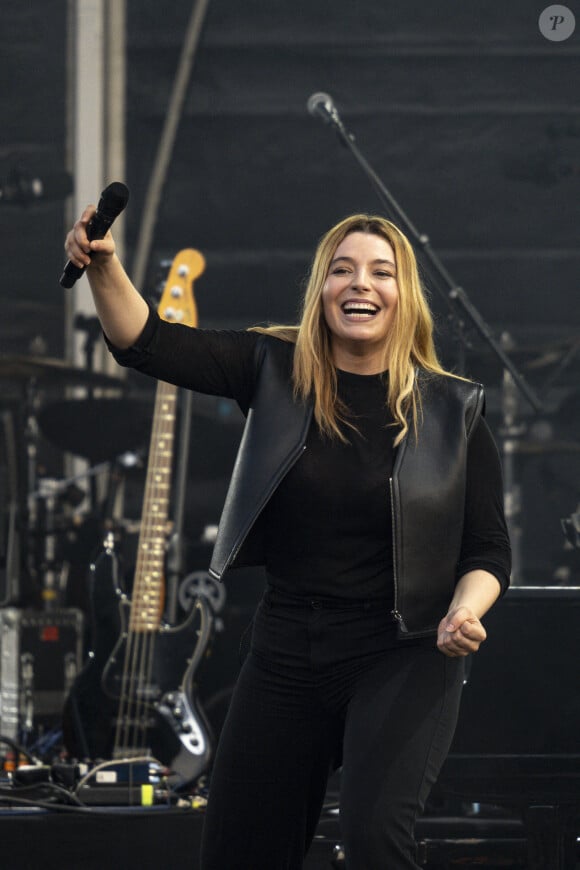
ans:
(327, 528)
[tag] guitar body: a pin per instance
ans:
(88, 712)
(171, 724)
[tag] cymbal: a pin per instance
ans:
(58, 371)
(104, 428)
(535, 355)
(96, 429)
(214, 409)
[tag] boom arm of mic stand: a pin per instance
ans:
(454, 293)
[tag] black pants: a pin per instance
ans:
(325, 685)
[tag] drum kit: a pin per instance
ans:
(39, 502)
(55, 416)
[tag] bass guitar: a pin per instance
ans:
(134, 697)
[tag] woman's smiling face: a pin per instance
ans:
(359, 300)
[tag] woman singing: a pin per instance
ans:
(369, 487)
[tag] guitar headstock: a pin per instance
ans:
(177, 303)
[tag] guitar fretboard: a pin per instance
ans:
(148, 584)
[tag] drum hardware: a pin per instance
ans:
(26, 704)
(56, 371)
(546, 433)
(564, 363)
(100, 428)
(533, 355)
(91, 326)
(38, 520)
(511, 431)
(50, 525)
(96, 429)
(338, 857)
(536, 448)
(540, 435)
(199, 584)
(571, 528)
(10, 533)
(55, 528)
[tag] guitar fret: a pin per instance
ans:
(154, 531)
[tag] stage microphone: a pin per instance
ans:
(113, 200)
(321, 105)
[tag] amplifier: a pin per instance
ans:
(40, 655)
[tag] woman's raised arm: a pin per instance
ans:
(121, 309)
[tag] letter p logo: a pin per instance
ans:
(557, 23)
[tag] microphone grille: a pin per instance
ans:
(114, 198)
(315, 101)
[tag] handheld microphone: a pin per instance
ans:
(321, 105)
(113, 200)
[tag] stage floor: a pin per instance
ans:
(162, 837)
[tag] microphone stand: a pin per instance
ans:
(454, 294)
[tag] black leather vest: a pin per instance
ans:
(427, 487)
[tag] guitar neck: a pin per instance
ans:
(148, 585)
(177, 305)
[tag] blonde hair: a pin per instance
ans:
(408, 345)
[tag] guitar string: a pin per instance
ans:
(134, 704)
(160, 492)
(147, 621)
(130, 708)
